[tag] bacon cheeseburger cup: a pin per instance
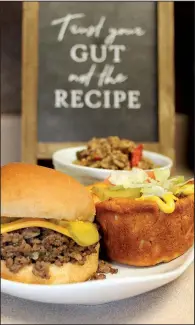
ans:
(47, 230)
(145, 218)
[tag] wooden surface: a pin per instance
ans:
(29, 82)
(166, 78)
(32, 150)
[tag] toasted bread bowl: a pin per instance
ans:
(139, 234)
(145, 230)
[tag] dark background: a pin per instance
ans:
(11, 15)
(184, 69)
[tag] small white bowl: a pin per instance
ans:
(63, 161)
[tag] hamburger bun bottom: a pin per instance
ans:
(68, 273)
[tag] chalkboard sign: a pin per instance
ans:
(99, 70)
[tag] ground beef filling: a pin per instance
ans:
(103, 269)
(40, 247)
(112, 153)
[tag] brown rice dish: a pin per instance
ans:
(113, 153)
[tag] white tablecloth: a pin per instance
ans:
(171, 304)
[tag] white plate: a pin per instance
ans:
(63, 161)
(129, 282)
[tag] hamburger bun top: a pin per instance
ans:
(31, 191)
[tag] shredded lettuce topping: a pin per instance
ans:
(156, 184)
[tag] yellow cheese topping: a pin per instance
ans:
(83, 233)
(166, 206)
(186, 189)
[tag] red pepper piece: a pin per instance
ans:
(136, 155)
(96, 158)
(151, 174)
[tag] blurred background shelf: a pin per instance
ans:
(11, 144)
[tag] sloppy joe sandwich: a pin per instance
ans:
(145, 218)
(47, 230)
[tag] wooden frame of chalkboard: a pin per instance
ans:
(32, 150)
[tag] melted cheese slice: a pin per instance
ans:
(83, 233)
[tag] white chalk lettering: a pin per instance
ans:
(88, 96)
(103, 53)
(133, 101)
(114, 32)
(94, 98)
(90, 30)
(83, 79)
(83, 54)
(119, 97)
(91, 54)
(107, 98)
(76, 98)
(106, 78)
(60, 98)
(65, 22)
(117, 49)
(98, 54)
